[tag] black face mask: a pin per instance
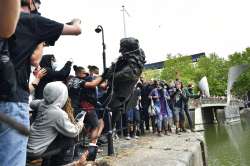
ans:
(35, 12)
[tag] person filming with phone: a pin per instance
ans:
(54, 127)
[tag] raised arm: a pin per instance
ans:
(62, 74)
(9, 14)
(72, 28)
(93, 83)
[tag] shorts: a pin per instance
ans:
(100, 113)
(91, 120)
(176, 114)
(133, 115)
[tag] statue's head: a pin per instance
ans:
(128, 45)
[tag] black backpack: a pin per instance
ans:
(8, 81)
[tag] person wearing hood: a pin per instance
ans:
(48, 62)
(53, 127)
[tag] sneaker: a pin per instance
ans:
(128, 138)
(136, 137)
(160, 134)
(184, 130)
(170, 130)
(99, 150)
(115, 137)
(177, 132)
(166, 133)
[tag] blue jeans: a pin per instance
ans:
(13, 145)
(159, 117)
(162, 119)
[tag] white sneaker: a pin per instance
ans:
(136, 137)
(128, 138)
(115, 137)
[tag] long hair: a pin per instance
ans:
(69, 110)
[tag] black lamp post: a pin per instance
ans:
(110, 131)
(98, 30)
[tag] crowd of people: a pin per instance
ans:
(66, 109)
(159, 105)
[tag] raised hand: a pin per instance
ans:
(41, 73)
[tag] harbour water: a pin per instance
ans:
(229, 145)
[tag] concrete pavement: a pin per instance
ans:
(152, 150)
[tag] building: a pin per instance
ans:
(160, 65)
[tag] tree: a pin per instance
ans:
(215, 69)
(242, 85)
(178, 67)
(151, 74)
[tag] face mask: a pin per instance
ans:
(54, 65)
(35, 12)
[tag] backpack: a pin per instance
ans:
(8, 83)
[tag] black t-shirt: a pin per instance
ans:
(31, 30)
(178, 100)
(88, 94)
(144, 95)
(75, 85)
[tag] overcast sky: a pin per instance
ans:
(162, 27)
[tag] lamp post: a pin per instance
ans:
(110, 131)
(98, 30)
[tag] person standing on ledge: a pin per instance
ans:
(189, 94)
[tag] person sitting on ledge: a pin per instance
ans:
(53, 129)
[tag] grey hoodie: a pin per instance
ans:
(50, 119)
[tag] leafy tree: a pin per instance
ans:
(212, 66)
(242, 85)
(178, 67)
(215, 69)
(151, 74)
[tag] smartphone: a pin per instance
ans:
(80, 116)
